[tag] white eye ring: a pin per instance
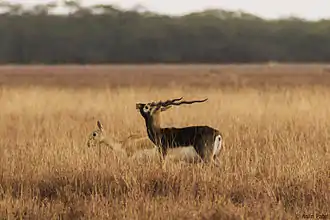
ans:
(146, 108)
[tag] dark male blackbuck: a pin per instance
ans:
(206, 140)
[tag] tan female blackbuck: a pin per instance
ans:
(99, 138)
(206, 140)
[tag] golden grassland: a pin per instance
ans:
(224, 76)
(275, 163)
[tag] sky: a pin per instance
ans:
(308, 9)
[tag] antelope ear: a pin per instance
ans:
(162, 109)
(100, 126)
(155, 109)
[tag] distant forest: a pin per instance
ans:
(108, 34)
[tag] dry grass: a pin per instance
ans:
(275, 163)
(224, 76)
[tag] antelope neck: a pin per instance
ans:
(153, 127)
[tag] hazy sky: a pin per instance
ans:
(310, 9)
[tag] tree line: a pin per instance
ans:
(108, 34)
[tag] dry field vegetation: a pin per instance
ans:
(275, 163)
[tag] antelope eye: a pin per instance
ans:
(94, 134)
(146, 108)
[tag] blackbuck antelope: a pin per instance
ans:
(99, 138)
(206, 141)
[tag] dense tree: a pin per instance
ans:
(106, 34)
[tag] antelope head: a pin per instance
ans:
(148, 110)
(97, 136)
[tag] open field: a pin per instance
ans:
(219, 76)
(275, 163)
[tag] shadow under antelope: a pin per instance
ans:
(206, 141)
